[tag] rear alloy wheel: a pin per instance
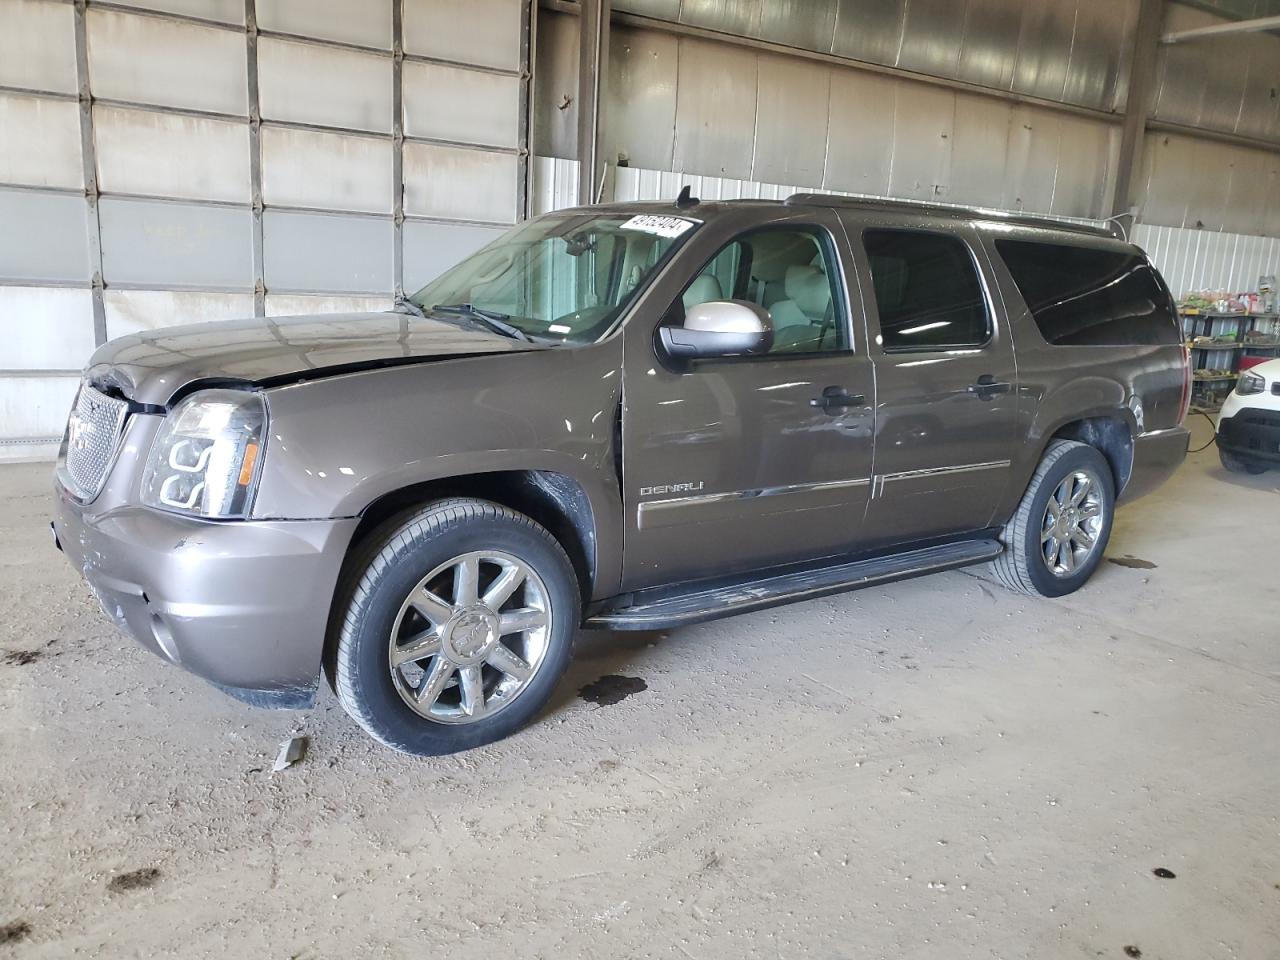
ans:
(1056, 537)
(1072, 523)
(460, 620)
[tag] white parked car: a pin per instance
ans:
(1249, 427)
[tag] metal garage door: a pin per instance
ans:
(171, 161)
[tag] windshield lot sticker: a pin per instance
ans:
(658, 226)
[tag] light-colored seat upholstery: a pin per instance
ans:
(704, 289)
(803, 320)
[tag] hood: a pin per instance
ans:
(150, 367)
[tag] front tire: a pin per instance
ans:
(1234, 463)
(460, 622)
(1058, 534)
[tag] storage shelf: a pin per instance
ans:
(1228, 352)
(1226, 316)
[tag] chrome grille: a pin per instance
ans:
(93, 433)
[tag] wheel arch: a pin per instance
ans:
(1109, 429)
(1110, 433)
(553, 500)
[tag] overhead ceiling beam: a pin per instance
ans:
(1223, 29)
(1142, 74)
(593, 73)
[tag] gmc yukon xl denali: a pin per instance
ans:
(629, 417)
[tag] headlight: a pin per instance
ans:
(204, 461)
(1250, 383)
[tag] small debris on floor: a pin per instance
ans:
(21, 658)
(291, 751)
(1164, 873)
(13, 932)
(611, 689)
(1132, 951)
(1134, 563)
(134, 880)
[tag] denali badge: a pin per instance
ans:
(671, 488)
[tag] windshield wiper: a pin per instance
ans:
(405, 305)
(497, 322)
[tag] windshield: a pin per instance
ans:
(558, 279)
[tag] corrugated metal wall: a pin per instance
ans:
(156, 104)
(1227, 85)
(708, 108)
(1204, 260)
(766, 117)
(1073, 51)
(725, 115)
(1223, 83)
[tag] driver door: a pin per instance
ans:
(746, 462)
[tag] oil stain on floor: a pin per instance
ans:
(611, 689)
(1133, 562)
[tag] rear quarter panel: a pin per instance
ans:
(1140, 385)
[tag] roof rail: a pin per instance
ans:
(944, 210)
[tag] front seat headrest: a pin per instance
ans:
(704, 289)
(810, 289)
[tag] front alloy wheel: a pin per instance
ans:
(459, 620)
(470, 637)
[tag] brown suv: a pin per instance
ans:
(631, 416)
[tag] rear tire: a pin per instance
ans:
(1057, 536)
(1234, 463)
(459, 622)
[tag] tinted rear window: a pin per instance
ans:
(1081, 296)
(927, 291)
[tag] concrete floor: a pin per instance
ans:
(933, 769)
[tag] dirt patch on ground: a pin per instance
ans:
(21, 658)
(14, 932)
(134, 880)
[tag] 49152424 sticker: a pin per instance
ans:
(658, 226)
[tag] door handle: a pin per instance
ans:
(988, 386)
(834, 399)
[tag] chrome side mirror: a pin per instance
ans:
(719, 328)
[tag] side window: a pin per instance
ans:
(792, 274)
(927, 291)
(1082, 295)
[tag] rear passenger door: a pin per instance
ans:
(946, 381)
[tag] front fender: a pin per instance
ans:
(338, 444)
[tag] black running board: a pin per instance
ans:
(758, 593)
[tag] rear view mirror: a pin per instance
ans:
(719, 328)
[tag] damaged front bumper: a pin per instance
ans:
(242, 604)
